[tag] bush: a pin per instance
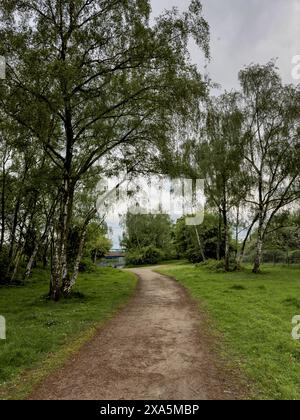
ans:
(146, 255)
(87, 266)
(212, 265)
(217, 265)
(294, 257)
(194, 255)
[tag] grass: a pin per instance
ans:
(42, 334)
(160, 263)
(252, 315)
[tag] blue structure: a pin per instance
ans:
(114, 258)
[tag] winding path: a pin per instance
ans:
(156, 348)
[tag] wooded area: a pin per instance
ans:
(93, 88)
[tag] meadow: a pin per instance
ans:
(251, 318)
(42, 334)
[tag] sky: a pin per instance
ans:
(245, 32)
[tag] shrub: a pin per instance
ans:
(212, 265)
(194, 255)
(87, 266)
(217, 265)
(146, 255)
(294, 257)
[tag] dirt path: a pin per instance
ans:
(154, 349)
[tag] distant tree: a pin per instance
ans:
(221, 159)
(97, 242)
(187, 243)
(144, 230)
(283, 233)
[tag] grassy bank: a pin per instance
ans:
(41, 334)
(253, 314)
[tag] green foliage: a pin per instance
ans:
(294, 257)
(186, 241)
(284, 232)
(97, 244)
(92, 88)
(146, 232)
(143, 256)
(87, 266)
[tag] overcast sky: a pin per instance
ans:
(244, 32)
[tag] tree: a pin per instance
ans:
(215, 156)
(283, 234)
(221, 162)
(97, 243)
(91, 80)
(187, 244)
(271, 147)
(145, 230)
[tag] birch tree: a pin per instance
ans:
(271, 146)
(91, 79)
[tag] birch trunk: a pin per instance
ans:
(259, 247)
(68, 286)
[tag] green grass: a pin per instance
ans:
(42, 334)
(252, 317)
(161, 263)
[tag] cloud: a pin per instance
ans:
(244, 32)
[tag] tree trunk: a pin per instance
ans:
(237, 231)
(68, 286)
(31, 261)
(59, 272)
(226, 229)
(226, 242)
(241, 254)
(200, 244)
(219, 236)
(45, 254)
(70, 281)
(54, 292)
(3, 206)
(95, 257)
(13, 237)
(259, 247)
(258, 257)
(41, 242)
(17, 263)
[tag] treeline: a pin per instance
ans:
(152, 239)
(92, 90)
(247, 149)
